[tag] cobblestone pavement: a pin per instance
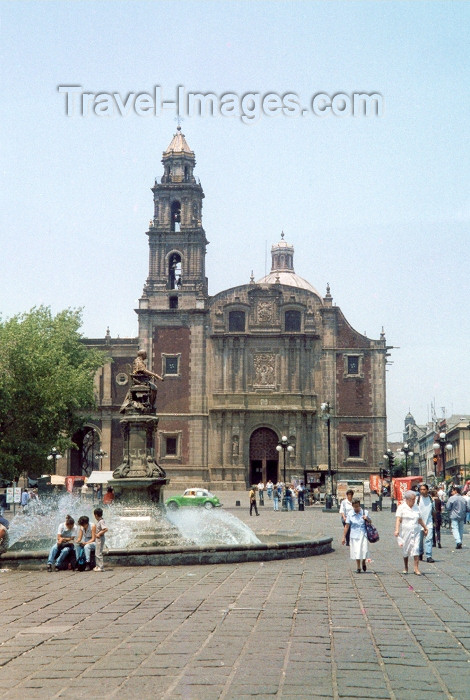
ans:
(301, 628)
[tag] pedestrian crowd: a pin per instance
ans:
(417, 525)
(279, 493)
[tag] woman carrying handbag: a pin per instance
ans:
(356, 526)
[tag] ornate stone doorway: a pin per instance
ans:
(264, 460)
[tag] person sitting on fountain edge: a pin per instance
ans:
(66, 534)
(86, 539)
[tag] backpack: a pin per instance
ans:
(81, 560)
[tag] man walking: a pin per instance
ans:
(253, 501)
(426, 511)
(457, 507)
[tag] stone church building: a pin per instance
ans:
(241, 368)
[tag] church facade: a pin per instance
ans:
(241, 368)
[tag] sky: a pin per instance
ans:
(376, 206)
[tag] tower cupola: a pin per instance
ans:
(282, 268)
(178, 160)
(282, 256)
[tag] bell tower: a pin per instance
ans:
(174, 307)
(177, 241)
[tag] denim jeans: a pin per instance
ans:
(425, 543)
(289, 503)
(87, 548)
(457, 529)
(62, 553)
(276, 502)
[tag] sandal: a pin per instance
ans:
(405, 571)
(417, 573)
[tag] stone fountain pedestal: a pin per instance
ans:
(139, 480)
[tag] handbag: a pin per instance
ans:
(371, 532)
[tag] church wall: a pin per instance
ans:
(174, 392)
(111, 385)
(353, 393)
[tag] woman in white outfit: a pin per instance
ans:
(408, 527)
(356, 526)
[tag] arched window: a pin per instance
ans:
(236, 322)
(174, 271)
(292, 321)
(175, 216)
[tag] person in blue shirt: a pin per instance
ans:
(457, 507)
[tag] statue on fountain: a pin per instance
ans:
(142, 395)
(139, 477)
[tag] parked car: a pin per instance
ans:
(194, 497)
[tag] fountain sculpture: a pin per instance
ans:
(140, 531)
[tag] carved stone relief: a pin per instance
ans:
(265, 369)
(265, 312)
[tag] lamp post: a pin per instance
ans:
(54, 455)
(284, 446)
(391, 461)
(100, 454)
(381, 474)
(442, 445)
(326, 416)
(408, 452)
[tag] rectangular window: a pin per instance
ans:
(236, 322)
(292, 321)
(353, 364)
(354, 447)
(171, 364)
(173, 302)
(171, 446)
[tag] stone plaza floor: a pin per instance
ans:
(304, 628)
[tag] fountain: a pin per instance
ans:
(140, 531)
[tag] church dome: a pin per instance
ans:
(282, 268)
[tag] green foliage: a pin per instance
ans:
(46, 387)
(399, 468)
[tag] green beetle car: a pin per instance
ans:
(194, 497)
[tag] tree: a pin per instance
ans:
(400, 469)
(46, 387)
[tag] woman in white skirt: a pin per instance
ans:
(408, 527)
(356, 525)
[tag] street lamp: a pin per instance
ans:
(326, 416)
(391, 461)
(54, 455)
(284, 446)
(100, 455)
(408, 452)
(442, 445)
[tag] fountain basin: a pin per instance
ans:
(288, 548)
